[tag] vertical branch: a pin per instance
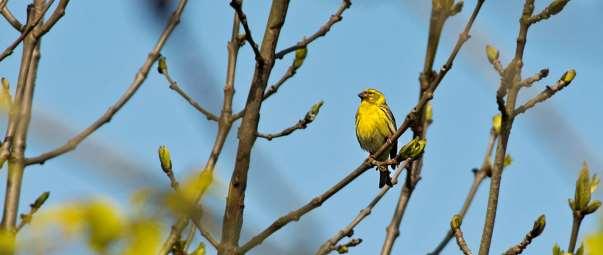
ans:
(233, 213)
(224, 125)
(20, 121)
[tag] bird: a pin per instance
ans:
(375, 125)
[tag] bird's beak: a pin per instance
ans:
(362, 95)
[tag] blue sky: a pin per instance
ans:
(92, 54)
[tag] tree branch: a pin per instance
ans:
(548, 92)
(455, 226)
(534, 78)
(224, 126)
(26, 31)
(174, 86)
(237, 5)
(331, 244)
(537, 229)
(57, 14)
(10, 18)
(324, 29)
(479, 176)
(301, 124)
(139, 79)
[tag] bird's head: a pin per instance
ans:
(372, 96)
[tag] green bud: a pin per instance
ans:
(165, 159)
(455, 222)
(200, 249)
(580, 250)
(592, 207)
(162, 66)
(428, 113)
(557, 250)
(507, 161)
(538, 227)
(300, 56)
(5, 97)
(492, 53)
(40, 200)
(496, 123)
(557, 6)
(413, 149)
(568, 76)
(583, 187)
(572, 204)
(5, 83)
(342, 249)
(313, 112)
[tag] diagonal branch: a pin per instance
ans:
(57, 14)
(174, 86)
(139, 79)
(29, 28)
(237, 5)
(331, 244)
(534, 78)
(324, 29)
(537, 229)
(8, 15)
(301, 124)
(548, 92)
(455, 226)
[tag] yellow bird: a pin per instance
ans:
(375, 124)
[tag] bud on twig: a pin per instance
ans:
(496, 123)
(165, 159)
(300, 56)
(592, 207)
(538, 227)
(557, 6)
(428, 113)
(568, 76)
(455, 222)
(413, 149)
(492, 53)
(507, 161)
(40, 200)
(162, 66)
(313, 112)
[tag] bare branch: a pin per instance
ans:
(324, 29)
(27, 30)
(552, 9)
(140, 77)
(348, 230)
(345, 248)
(548, 92)
(237, 5)
(57, 14)
(455, 225)
(10, 18)
(537, 229)
(174, 86)
(534, 78)
(301, 124)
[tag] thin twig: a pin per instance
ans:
(174, 86)
(27, 30)
(301, 124)
(548, 92)
(139, 79)
(534, 78)
(57, 14)
(414, 175)
(348, 230)
(237, 5)
(575, 231)
(224, 126)
(10, 18)
(479, 176)
(536, 230)
(324, 29)
(460, 240)
(344, 248)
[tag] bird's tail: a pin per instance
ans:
(384, 177)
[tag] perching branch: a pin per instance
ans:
(324, 29)
(331, 244)
(237, 5)
(534, 78)
(345, 248)
(455, 226)
(162, 68)
(301, 124)
(139, 79)
(419, 129)
(57, 14)
(537, 229)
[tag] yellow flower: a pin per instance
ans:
(375, 123)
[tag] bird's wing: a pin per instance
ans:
(391, 124)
